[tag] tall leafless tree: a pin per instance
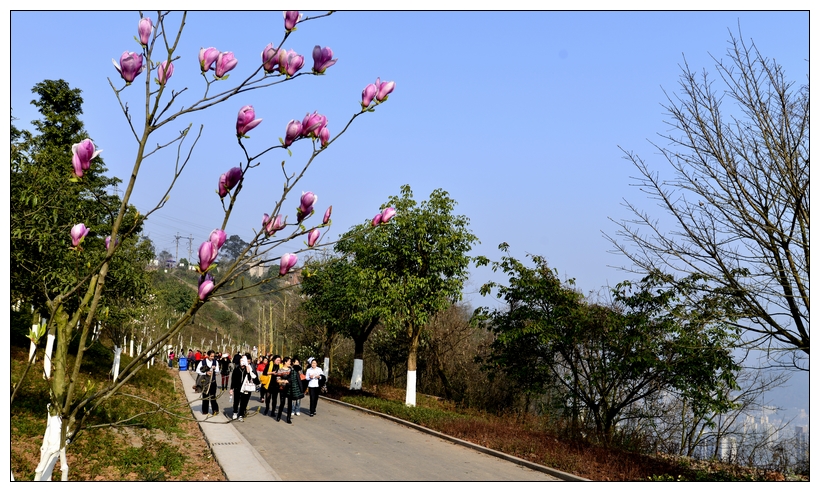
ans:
(738, 199)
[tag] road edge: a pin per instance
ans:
(569, 477)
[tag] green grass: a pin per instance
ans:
(155, 446)
(152, 461)
(418, 414)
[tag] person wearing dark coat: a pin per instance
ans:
(225, 370)
(292, 390)
(297, 368)
(272, 386)
(242, 374)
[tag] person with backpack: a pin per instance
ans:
(314, 376)
(207, 371)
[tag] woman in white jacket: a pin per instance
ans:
(313, 375)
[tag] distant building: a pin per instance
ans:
(258, 270)
(728, 449)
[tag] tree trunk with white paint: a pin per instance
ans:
(49, 351)
(50, 450)
(410, 397)
(115, 368)
(356, 378)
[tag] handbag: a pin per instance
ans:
(247, 385)
(201, 383)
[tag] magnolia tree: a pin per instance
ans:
(75, 311)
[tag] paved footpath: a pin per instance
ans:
(347, 443)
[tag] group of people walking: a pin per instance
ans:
(277, 379)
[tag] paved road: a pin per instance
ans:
(345, 444)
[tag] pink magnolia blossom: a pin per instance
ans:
(368, 94)
(225, 62)
(383, 217)
(108, 242)
(292, 17)
(388, 214)
(207, 57)
(164, 72)
(294, 63)
(217, 238)
(82, 154)
(292, 132)
(313, 236)
(384, 88)
(305, 205)
(307, 201)
(205, 288)
(78, 233)
(228, 180)
(326, 218)
(312, 124)
(246, 120)
(144, 28)
(272, 226)
(130, 66)
(207, 255)
(270, 60)
(287, 262)
(322, 59)
(324, 136)
(266, 224)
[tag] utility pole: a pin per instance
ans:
(176, 256)
(190, 242)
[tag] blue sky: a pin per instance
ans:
(518, 115)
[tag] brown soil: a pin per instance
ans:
(88, 461)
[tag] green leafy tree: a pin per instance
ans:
(232, 249)
(737, 197)
(164, 257)
(608, 359)
(45, 204)
(417, 263)
(339, 298)
(390, 344)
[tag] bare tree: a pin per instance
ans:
(738, 200)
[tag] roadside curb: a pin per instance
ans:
(238, 459)
(477, 447)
